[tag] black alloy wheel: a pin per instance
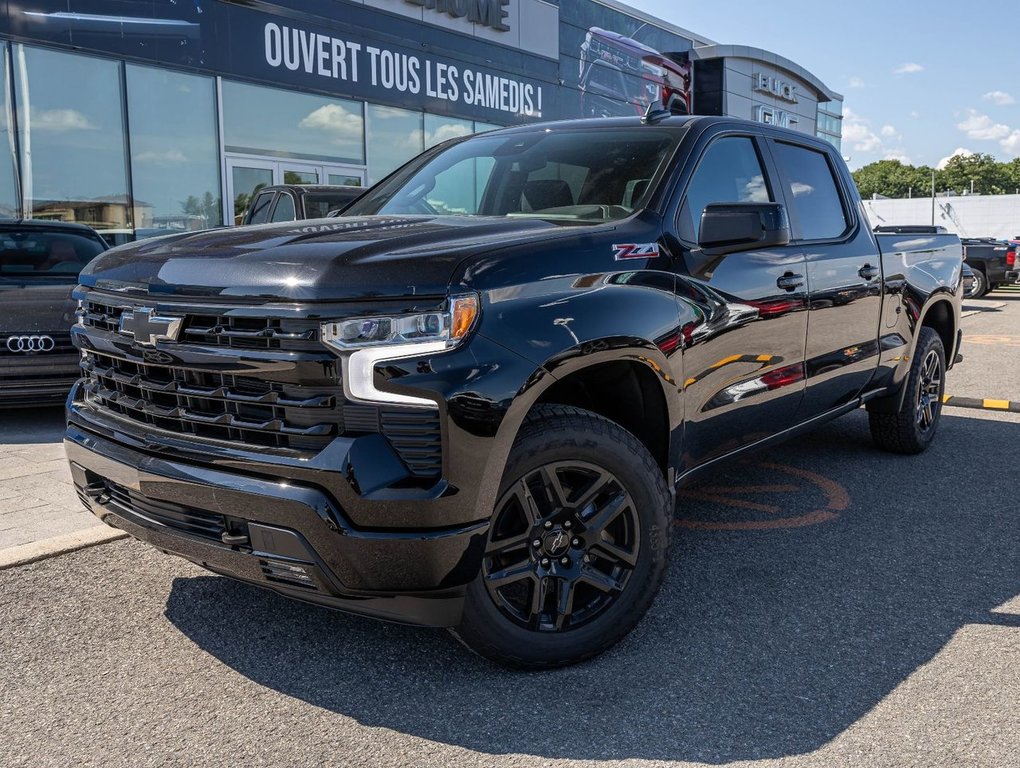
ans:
(929, 390)
(911, 427)
(577, 543)
(563, 544)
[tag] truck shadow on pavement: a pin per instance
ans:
(762, 643)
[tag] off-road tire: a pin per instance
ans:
(903, 431)
(553, 435)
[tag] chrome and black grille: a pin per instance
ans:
(213, 404)
(291, 402)
(218, 330)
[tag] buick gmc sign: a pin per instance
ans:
(488, 13)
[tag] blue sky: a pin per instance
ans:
(922, 80)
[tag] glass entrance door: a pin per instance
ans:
(244, 179)
(247, 174)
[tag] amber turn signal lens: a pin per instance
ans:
(465, 311)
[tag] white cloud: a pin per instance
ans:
(910, 68)
(60, 120)
(446, 131)
(857, 82)
(915, 114)
(165, 159)
(342, 125)
(898, 154)
(999, 97)
(958, 152)
(888, 131)
(858, 134)
(1012, 143)
(982, 127)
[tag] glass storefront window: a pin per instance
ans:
(269, 121)
(71, 131)
(175, 162)
(394, 136)
(439, 129)
(8, 175)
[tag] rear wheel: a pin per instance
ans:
(980, 285)
(912, 428)
(577, 544)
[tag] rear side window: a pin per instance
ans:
(284, 208)
(729, 172)
(812, 192)
(260, 209)
(46, 254)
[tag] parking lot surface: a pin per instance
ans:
(826, 605)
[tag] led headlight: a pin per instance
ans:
(365, 341)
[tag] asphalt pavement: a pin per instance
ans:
(826, 604)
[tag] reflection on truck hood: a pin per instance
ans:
(321, 260)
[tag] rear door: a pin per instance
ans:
(743, 357)
(844, 277)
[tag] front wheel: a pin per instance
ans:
(912, 428)
(577, 544)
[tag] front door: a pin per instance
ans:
(743, 358)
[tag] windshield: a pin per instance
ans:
(581, 175)
(319, 204)
(46, 255)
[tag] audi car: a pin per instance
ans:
(39, 265)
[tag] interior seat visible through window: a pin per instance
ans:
(540, 194)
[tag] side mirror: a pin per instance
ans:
(732, 227)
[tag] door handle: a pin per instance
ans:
(868, 272)
(790, 281)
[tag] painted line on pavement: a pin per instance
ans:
(58, 545)
(985, 404)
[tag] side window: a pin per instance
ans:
(729, 172)
(284, 210)
(260, 208)
(812, 192)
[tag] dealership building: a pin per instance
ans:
(165, 115)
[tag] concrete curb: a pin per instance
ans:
(58, 545)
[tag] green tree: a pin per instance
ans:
(891, 178)
(981, 174)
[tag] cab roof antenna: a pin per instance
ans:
(656, 111)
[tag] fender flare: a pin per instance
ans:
(552, 372)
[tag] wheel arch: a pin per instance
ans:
(642, 370)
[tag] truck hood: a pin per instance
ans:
(316, 260)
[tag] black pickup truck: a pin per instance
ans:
(992, 261)
(478, 421)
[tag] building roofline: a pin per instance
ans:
(717, 51)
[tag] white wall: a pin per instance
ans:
(995, 216)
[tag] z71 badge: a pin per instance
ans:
(636, 251)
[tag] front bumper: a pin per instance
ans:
(37, 379)
(288, 537)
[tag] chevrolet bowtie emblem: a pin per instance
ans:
(147, 328)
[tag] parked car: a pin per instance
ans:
(478, 421)
(292, 202)
(993, 262)
(39, 266)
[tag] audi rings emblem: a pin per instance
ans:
(28, 344)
